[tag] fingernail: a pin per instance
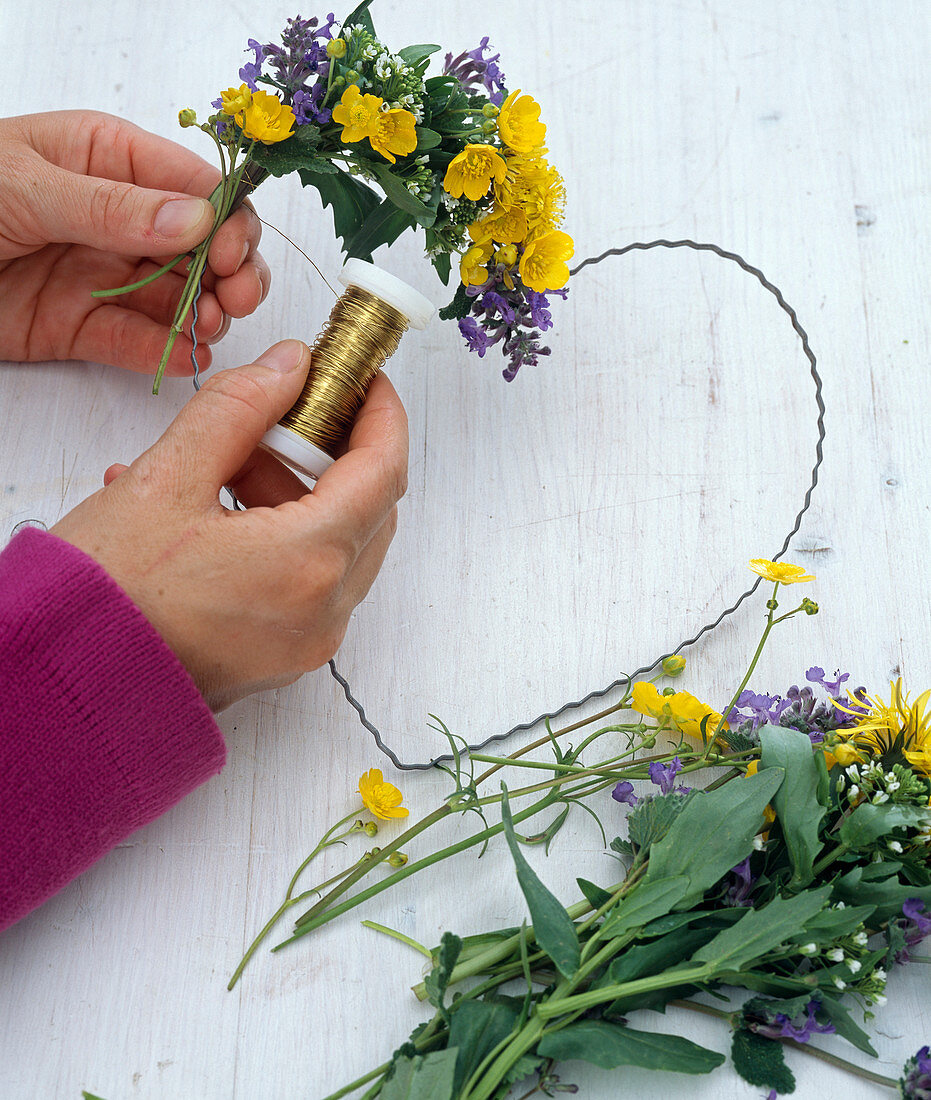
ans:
(177, 217)
(283, 357)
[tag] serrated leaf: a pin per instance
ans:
(299, 152)
(352, 202)
(476, 1028)
(552, 926)
(396, 190)
(868, 822)
(761, 931)
(424, 1077)
(437, 980)
(713, 833)
(644, 903)
(652, 818)
(609, 1045)
(459, 307)
(523, 1067)
(796, 801)
(383, 226)
(761, 1061)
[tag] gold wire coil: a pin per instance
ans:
(361, 334)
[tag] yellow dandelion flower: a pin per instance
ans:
(393, 132)
(235, 100)
(357, 114)
(472, 172)
(898, 728)
(543, 265)
(472, 270)
(381, 798)
(519, 123)
(266, 119)
(782, 572)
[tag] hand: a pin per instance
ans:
(87, 202)
(248, 600)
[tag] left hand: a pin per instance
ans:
(90, 202)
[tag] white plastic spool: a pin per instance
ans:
(293, 449)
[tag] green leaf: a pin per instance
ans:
(552, 926)
(652, 818)
(857, 888)
(442, 266)
(396, 190)
(412, 54)
(438, 978)
(90, 1096)
(383, 226)
(644, 903)
(359, 16)
(426, 138)
(523, 1067)
(594, 895)
(845, 1026)
(710, 917)
(352, 201)
(831, 924)
(761, 1061)
(424, 1077)
(299, 151)
(761, 931)
(609, 1045)
(651, 958)
(796, 802)
(458, 308)
(713, 832)
(476, 1028)
(868, 822)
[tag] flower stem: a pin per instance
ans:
(396, 935)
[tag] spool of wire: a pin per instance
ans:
(363, 331)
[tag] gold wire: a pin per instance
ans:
(361, 333)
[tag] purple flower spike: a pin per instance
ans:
(624, 792)
(664, 775)
(915, 1083)
(816, 675)
(915, 924)
(251, 71)
(738, 893)
(474, 335)
(472, 70)
(799, 1028)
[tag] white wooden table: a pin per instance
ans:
(558, 531)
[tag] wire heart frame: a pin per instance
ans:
(626, 678)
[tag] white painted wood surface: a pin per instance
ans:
(558, 531)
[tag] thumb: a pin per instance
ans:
(118, 217)
(214, 434)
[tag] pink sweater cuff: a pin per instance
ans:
(101, 727)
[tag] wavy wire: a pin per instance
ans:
(626, 678)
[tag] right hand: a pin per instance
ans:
(248, 600)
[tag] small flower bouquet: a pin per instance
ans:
(786, 887)
(389, 148)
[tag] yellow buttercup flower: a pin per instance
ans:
(472, 271)
(897, 728)
(543, 265)
(357, 114)
(681, 710)
(380, 798)
(266, 119)
(393, 132)
(504, 225)
(519, 123)
(235, 100)
(472, 171)
(782, 571)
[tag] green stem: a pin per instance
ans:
(141, 282)
(396, 935)
(557, 1006)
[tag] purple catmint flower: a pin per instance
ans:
(624, 792)
(915, 924)
(474, 336)
(800, 1028)
(816, 675)
(473, 70)
(664, 775)
(738, 893)
(915, 1083)
(252, 70)
(493, 302)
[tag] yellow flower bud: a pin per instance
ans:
(336, 47)
(370, 828)
(674, 665)
(187, 117)
(507, 255)
(397, 859)
(845, 754)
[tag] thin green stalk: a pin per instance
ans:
(580, 1001)
(396, 935)
(141, 282)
